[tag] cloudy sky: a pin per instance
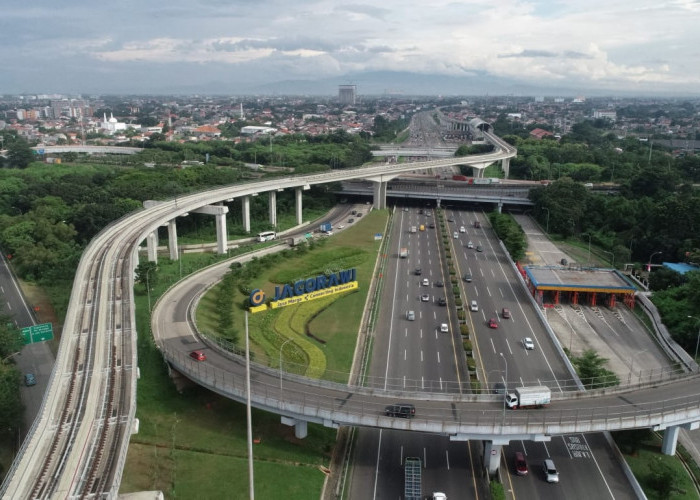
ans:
(149, 46)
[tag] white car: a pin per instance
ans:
(439, 496)
(455, 235)
(474, 307)
(470, 245)
(462, 229)
(444, 328)
(528, 344)
(425, 297)
(342, 226)
(426, 282)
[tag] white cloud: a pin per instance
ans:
(601, 43)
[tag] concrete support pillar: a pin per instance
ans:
(221, 237)
(246, 213)
(300, 426)
(273, 207)
(379, 194)
(297, 202)
(668, 445)
(499, 207)
(492, 457)
(152, 244)
(505, 166)
(172, 240)
(300, 429)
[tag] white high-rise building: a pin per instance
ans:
(346, 95)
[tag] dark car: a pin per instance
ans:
(359, 214)
(403, 410)
(439, 284)
(198, 355)
(442, 301)
(520, 464)
(431, 225)
(468, 278)
(351, 220)
(354, 212)
(418, 271)
(29, 379)
(479, 248)
(505, 312)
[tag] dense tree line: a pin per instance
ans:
(386, 130)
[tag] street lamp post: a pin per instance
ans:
(282, 347)
(11, 355)
(547, 229)
(148, 288)
(651, 257)
(613, 256)
(697, 342)
(589, 246)
(505, 385)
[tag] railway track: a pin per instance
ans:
(77, 445)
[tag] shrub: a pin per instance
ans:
(461, 315)
(467, 344)
(464, 330)
(458, 302)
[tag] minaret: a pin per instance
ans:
(242, 115)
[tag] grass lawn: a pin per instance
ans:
(647, 463)
(333, 324)
(193, 444)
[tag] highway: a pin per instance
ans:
(581, 458)
(78, 442)
(417, 353)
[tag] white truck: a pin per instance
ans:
(413, 229)
(529, 397)
(403, 253)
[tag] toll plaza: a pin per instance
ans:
(578, 285)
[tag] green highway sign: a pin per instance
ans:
(37, 333)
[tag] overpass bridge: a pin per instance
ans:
(78, 443)
(92, 150)
(498, 195)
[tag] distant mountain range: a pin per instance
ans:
(379, 83)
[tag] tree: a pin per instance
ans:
(19, 154)
(663, 478)
(10, 337)
(147, 273)
(589, 367)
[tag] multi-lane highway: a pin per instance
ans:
(417, 355)
(495, 285)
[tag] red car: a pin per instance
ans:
(198, 355)
(520, 464)
(493, 323)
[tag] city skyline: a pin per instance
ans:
(473, 47)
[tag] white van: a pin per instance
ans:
(410, 315)
(473, 307)
(455, 235)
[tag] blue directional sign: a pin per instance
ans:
(37, 333)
